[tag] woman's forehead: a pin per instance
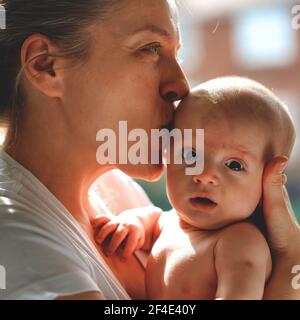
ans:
(134, 18)
(130, 15)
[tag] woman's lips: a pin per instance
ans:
(203, 203)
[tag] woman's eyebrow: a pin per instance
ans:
(154, 29)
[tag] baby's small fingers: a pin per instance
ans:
(119, 236)
(100, 221)
(106, 231)
(131, 244)
(140, 243)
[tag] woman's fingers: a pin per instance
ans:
(289, 204)
(279, 217)
(273, 181)
(118, 237)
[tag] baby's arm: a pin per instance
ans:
(243, 263)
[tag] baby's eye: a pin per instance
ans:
(189, 156)
(234, 165)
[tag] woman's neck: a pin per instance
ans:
(67, 174)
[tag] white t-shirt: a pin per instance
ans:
(43, 249)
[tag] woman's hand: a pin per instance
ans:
(124, 233)
(283, 232)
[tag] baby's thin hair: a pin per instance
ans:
(258, 102)
(249, 100)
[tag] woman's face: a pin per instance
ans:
(132, 75)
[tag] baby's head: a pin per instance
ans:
(245, 125)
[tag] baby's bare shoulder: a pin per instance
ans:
(243, 242)
(244, 232)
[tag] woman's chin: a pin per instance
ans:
(144, 172)
(155, 173)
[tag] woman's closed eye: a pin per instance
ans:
(152, 49)
(235, 165)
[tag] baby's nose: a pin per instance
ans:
(206, 177)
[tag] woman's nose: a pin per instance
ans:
(176, 86)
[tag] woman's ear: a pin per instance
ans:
(42, 70)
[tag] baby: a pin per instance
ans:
(207, 248)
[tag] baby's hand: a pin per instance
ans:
(124, 233)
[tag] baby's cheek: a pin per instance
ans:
(256, 186)
(174, 196)
(171, 189)
(175, 190)
(246, 198)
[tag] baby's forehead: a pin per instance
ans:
(233, 102)
(232, 120)
(228, 106)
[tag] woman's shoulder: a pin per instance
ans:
(40, 264)
(29, 240)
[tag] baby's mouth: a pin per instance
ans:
(203, 203)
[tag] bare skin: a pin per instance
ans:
(132, 73)
(208, 258)
(220, 260)
(125, 77)
(204, 250)
(283, 232)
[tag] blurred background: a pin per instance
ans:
(259, 39)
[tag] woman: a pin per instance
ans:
(79, 67)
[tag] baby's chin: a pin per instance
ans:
(210, 223)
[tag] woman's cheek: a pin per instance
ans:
(146, 73)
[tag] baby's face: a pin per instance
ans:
(230, 187)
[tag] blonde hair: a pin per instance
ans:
(249, 99)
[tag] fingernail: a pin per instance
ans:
(282, 166)
(284, 179)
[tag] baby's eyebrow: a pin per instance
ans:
(243, 150)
